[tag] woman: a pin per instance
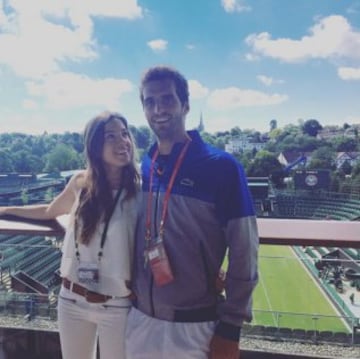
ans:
(98, 244)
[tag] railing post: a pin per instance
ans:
(278, 317)
(315, 319)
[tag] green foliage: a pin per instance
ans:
(6, 164)
(143, 136)
(56, 152)
(346, 168)
(273, 125)
(28, 153)
(24, 161)
(322, 158)
(220, 141)
(264, 164)
(208, 138)
(24, 197)
(49, 195)
(245, 158)
(236, 131)
(311, 127)
(356, 170)
(346, 144)
(62, 157)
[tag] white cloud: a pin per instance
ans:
(190, 46)
(235, 6)
(251, 57)
(232, 97)
(128, 9)
(158, 45)
(34, 122)
(219, 123)
(268, 81)
(197, 90)
(332, 36)
(349, 73)
(39, 35)
(68, 90)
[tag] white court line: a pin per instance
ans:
(319, 286)
(267, 298)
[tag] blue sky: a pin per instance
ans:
(247, 62)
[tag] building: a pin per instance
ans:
(243, 143)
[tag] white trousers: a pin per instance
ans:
(82, 324)
(151, 338)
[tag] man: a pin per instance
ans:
(196, 206)
(352, 298)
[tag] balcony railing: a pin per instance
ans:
(290, 252)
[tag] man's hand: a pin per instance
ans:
(221, 348)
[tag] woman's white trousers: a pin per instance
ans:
(83, 324)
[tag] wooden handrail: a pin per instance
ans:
(18, 225)
(304, 232)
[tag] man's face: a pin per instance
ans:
(163, 110)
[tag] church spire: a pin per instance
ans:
(201, 126)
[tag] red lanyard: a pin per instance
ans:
(167, 194)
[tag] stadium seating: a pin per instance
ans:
(317, 205)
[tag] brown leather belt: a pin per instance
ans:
(91, 297)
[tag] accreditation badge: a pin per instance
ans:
(88, 273)
(159, 264)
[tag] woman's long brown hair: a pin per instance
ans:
(96, 199)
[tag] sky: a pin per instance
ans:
(247, 61)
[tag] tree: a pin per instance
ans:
(73, 139)
(305, 143)
(62, 158)
(220, 142)
(208, 138)
(49, 195)
(235, 131)
(24, 196)
(356, 170)
(245, 159)
(6, 164)
(273, 125)
(24, 161)
(143, 136)
(311, 127)
(322, 158)
(264, 164)
(345, 144)
(346, 168)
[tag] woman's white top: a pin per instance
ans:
(116, 262)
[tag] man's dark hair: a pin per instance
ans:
(157, 73)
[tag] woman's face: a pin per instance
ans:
(118, 149)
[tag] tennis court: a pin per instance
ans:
(288, 296)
